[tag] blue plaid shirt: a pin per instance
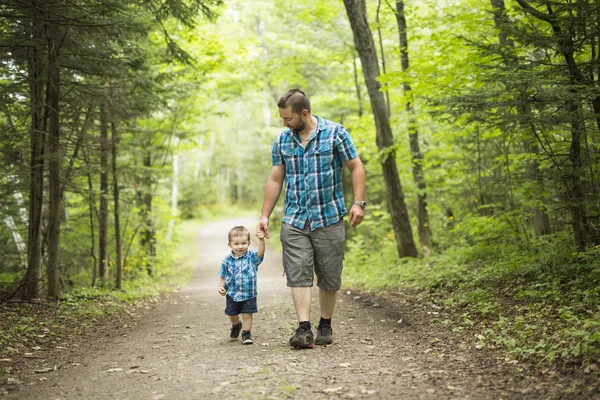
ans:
(313, 174)
(240, 275)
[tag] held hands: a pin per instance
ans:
(222, 291)
(356, 215)
(262, 230)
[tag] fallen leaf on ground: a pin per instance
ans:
(333, 390)
(114, 370)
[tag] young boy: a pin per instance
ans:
(238, 281)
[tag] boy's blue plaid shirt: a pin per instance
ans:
(240, 275)
(313, 174)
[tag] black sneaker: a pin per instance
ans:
(303, 339)
(247, 338)
(235, 330)
(324, 335)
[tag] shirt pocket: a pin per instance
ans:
(291, 159)
(323, 157)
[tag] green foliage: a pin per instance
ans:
(541, 304)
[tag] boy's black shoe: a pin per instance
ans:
(324, 335)
(235, 330)
(247, 338)
(303, 339)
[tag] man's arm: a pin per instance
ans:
(357, 172)
(272, 192)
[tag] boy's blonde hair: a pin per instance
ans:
(237, 231)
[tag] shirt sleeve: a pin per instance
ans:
(344, 145)
(276, 156)
(256, 260)
(223, 270)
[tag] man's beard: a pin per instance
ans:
(299, 128)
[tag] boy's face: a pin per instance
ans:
(239, 245)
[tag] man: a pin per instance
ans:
(309, 156)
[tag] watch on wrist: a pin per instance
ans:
(361, 203)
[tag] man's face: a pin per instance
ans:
(239, 245)
(296, 122)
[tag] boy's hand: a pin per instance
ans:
(263, 227)
(222, 291)
(260, 235)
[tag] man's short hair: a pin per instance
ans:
(295, 98)
(237, 231)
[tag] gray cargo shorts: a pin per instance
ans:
(320, 252)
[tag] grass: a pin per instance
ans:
(22, 325)
(541, 303)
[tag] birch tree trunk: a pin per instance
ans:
(174, 190)
(363, 40)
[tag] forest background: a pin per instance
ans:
(125, 124)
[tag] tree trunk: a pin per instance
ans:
(175, 190)
(117, 206)
(103, 212)
(147, 241)
(541, 221)
(54, 158)
(363, 40)
(357, 85)
(382, 51)
(413, 135)
(92, 202)
(575, 194)
(30, 285)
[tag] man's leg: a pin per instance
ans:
(329, 245)
(298, 264)
(327, 302)
(302, 297)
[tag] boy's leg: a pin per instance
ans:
(247, 322)
(232, 310)
(247, 327)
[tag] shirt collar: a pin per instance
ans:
(320, 127)
(233, 255)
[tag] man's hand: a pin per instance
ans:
(356, 215)
(263, 228)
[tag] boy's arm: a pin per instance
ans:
(261, 247)
(222, 290)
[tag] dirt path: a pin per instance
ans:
(182, 350)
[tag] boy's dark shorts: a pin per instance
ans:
(240, 307)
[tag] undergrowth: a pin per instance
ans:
(540, 302)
